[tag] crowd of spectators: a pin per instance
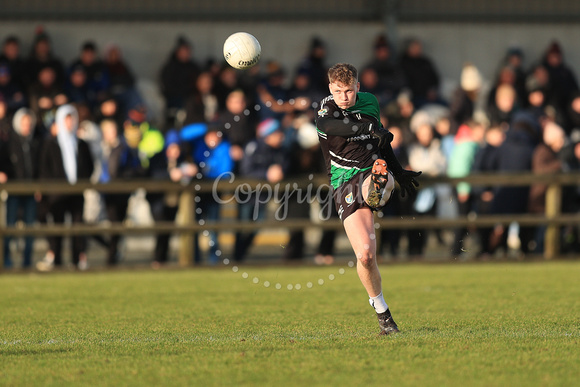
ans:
(87, 120)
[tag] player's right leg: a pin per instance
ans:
(359, 227)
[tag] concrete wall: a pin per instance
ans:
(147, 45)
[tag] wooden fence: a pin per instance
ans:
(553, 219)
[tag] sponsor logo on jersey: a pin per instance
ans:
(322, 112)
(349, 199)
(362, 137)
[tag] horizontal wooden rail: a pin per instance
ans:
(288, 224)
(229, 184)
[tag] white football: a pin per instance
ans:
(242, 50)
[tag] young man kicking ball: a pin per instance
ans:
(362, 168)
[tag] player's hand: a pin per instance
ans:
(407, 181)
(385, 137)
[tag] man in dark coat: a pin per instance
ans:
(178, 77)
(563, 82)
(41, 57)
(265, 159)
(420, 73)
(515, 155)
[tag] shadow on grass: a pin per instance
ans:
(31, 351)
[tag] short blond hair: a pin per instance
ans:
(344, 73)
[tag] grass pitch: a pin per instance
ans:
(471, 325)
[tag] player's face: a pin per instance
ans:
(344, 95)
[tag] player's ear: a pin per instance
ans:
(357, 87)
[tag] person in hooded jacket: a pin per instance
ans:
(23, 150)
(65, 157)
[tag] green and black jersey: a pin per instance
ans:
(345, 137)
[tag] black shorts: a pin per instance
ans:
(348, 197)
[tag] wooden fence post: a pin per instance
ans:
(553, 209)
(186, 218)
(3, 199)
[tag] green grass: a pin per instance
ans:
(470, 325)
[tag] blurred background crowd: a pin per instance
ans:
(87, 120)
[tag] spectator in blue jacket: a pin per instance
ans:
(212, 155)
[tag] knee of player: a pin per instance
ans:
(366, 258)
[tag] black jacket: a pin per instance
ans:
(23, 157)
(52, 165)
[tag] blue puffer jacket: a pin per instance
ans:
(213, 162)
